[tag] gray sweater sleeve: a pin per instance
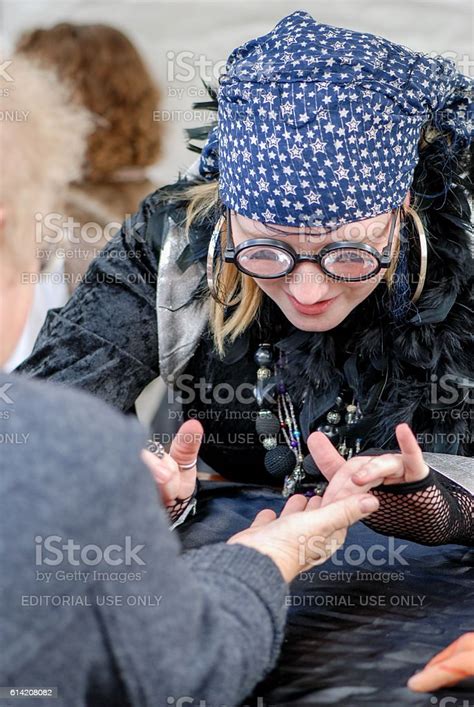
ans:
(144, 623)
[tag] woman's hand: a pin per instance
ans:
(305, 534)
(172, 481)
(365, 472)
(447, 668)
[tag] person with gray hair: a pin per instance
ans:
(42, 140)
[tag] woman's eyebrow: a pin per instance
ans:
(262, 229)
(302, 239)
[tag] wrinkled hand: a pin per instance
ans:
(447, 668)
(172, 482)
(305, 534)
(362, 473)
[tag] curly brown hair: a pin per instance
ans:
(108, 76)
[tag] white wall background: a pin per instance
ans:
(212, 28)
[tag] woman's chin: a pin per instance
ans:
(314, 322)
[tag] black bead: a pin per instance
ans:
(263, 356)
(267, 424)
(280, 461)
(329, 431)
(310, 467)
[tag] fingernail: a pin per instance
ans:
(368, 504)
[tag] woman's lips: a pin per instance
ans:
(316, 308)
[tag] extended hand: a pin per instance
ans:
(364, 472)
(305, 534)
(447, 668)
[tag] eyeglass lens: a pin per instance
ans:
(268, 261)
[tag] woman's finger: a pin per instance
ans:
(295, 503)
(415, 466)
(444, 674)
(324, 454)
(263, 518)
(388, 468)
(165, 473)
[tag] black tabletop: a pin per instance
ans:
(362, 623)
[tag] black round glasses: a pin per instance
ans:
(269, 258)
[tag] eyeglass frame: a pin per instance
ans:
(383, 258)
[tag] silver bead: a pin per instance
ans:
(263, 373)
(333, 417)
(269, 442)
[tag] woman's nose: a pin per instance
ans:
(308, 284)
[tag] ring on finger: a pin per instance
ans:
(156, 448)
(188, 466)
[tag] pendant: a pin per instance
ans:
(293, 480)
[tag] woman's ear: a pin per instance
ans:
(407, 200)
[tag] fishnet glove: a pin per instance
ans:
(433, 511)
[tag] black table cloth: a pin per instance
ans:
(362, 623)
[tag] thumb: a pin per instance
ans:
(185, 445)
(415, 466)
(324, 454)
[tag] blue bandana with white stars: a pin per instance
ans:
(320, 125)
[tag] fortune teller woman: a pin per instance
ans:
(305, 288)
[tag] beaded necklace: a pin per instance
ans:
(286, 462)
